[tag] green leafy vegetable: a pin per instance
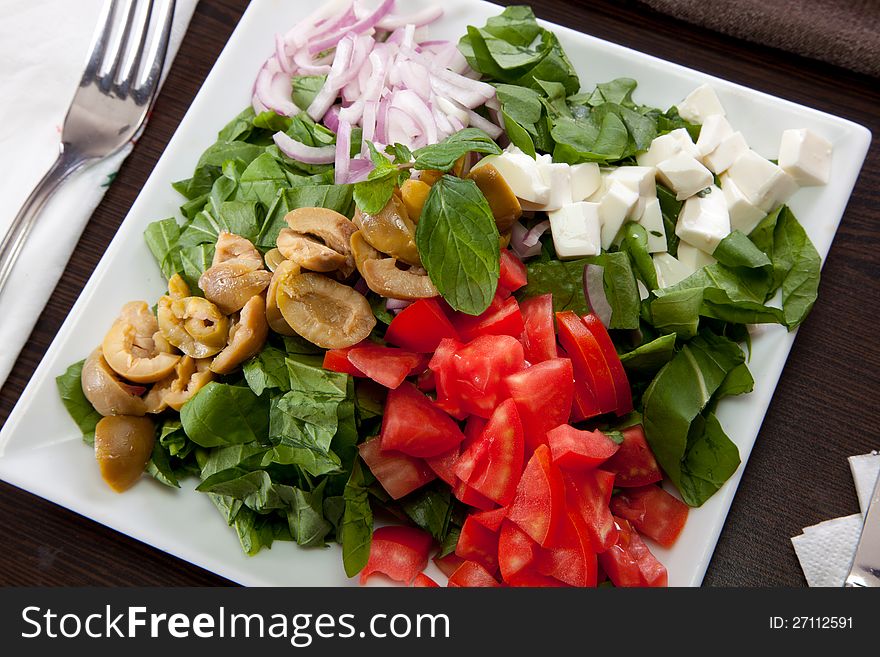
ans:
(334, 197)
(458, 242)
(162, 240)
(737, 250)
(357, 522)
(443, 155)
(223, 414)
(649, 358)
(305, 88)
(74, 400)
(564, 279)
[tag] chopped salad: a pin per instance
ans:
(434, 298)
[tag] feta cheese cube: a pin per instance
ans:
(576, 230)
(652, 221)
(743, 215)
(704, 221)
(667, 146)
(700, 104)
(670, 270)
(557, 176)
(585, 180)
(715, 129)
(726, 153)
(616, 205)
(639, 179)
(684, 175)
(692, 257)
(763, 183)
(805, 156)
(521, 174)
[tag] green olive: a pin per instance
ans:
(123, 445)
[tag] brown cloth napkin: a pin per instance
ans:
(842, 32)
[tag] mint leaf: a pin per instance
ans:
(442, 156)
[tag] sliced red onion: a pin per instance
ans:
(410, 103)
(397, 304)
(382, 122)
(485, 125)
(534, 235)
(331, 17)
(358, 170)
(414, 77)
(518, 233)
(336, 79)
(409, 35)
(296, 150)
(379, 65)
(273, 89)
(444, 127)
(305, 65)
(368, 124)
(403, 129)
(594, 289)
(359, 27)
(331, 118)
(343, 150)
(282, 56)
(424, 17)
(493, 103)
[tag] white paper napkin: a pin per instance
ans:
(826, 550)
(43, 49)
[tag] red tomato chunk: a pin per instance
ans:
(634, 463)
(423, 581)
(653, 512)
(471, 574)
(513, 272)
(413, 425)
(539, 505)
(543, 394)
(420, 327)
(387, 366)
(401, 553)
(629, 562)
(398, 473)
(501, 318)
(573, 449)
(538, 337)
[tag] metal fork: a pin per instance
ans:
(109, 108)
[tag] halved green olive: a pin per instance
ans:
(123, 445)
(503, 202)
(390, 231)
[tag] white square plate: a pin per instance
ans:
(42, 451)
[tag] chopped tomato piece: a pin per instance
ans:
(387, 366)
(493, 463)
(543, 394)
(443, 464)
(586, 357)
(612, 359)
(573, 560)
(502, 318)
(587, 494)
(574, 449)
(423, 581)
(634, 462)
(530, 578)
(412, 424)
(478, 543)
(420, 326)
(470, 377)
(467, 495)
(491, 519)
(584, 405)
(513, 272)
(539, 336)
(398, 473)
(516, 550)
(426, 382)
(401, 553)
(652, 511)
(471, 574)
(539, 505)
(448, 564)
(629, 562)
(336, 360)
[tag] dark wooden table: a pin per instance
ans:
(823, 410)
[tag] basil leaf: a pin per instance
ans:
(620, 289)
(357, 523)
(223, 414)
(430, 508)
(675, 398)
(306, 517)
(518, 135)
(443, 155)
(711, 459)
(458, 242)
(159, 466)
(74, 400)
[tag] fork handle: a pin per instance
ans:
(67, 162)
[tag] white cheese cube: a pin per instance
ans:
(521, 174)
(684, 175)
(557, 176)
(693, 257)
(715, 129)
(704, 221)
(743, 215)
(652, 221)
(763, 183)
(700, 104)
(805, 156)
(670, 270)
(576, 230)
(667, 146)
(639, 179)
(726, 153)
(585, 180)
(616, 205)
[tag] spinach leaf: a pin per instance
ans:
(74, 400)
(518, 135)
(159, 466)
(522, 104)
(244, 456)
(261, 180)
(220, 152)
(443, 155)
(678, 312)
(239, 217)
(334, 197)
(675, 398)
(223, 414)
(357, 522)
(670, 208)
(238, 128)
(738, 381)
(430, 508)
(161, 238)
(796, 264)
(564, 279)
(195, 260)
(306, 517)
(272, 122)
(515, 24)
(458, 242)
(711, 459)
(620, 289)
(305, 88)
(648, 358)
(737, 250)
(267, 370)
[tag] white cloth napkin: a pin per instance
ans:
(43, 49)
(826, 550)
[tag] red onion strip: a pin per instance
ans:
(343, 149)
(594, 289)
(296, 150)
(424, 17)
(364, 24)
